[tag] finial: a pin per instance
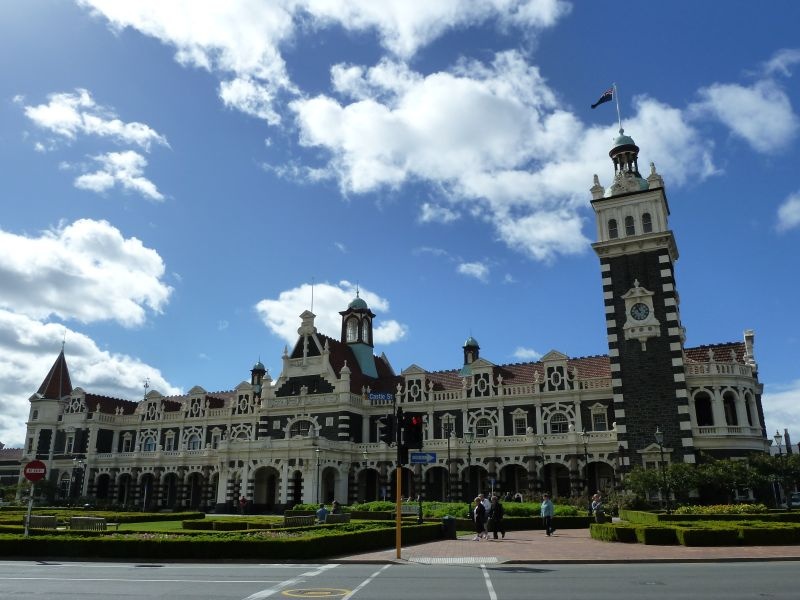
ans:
(596, 179)
(146, 385)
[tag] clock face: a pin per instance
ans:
(639, 311)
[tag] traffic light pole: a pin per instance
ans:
(398, 487)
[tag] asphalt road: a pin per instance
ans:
(669, 581)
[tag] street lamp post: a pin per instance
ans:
(779, 443)
(317, 451)
(659, 435)
(469, 436)
(585, 440)
(448, 433)
(540, 445)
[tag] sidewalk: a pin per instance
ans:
(566, 546)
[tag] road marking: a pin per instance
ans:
(462, 560)
(295, 580)
(366, 581)
(489, 586)
(122, 579)
(315, 593)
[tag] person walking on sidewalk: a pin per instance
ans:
(547, 512)
(495, 517)
(479, 516)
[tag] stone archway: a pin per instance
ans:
(513, 479)
(266, 487)
(556, 480)
(169, 490)
(436, 484)
(601, 477)
(408, 489)
(368, 485)
(103, 486)
(125, 490)
(146, 490)
(194, 490)
(474, 481)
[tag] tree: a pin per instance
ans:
(642, 481)
(783, 469)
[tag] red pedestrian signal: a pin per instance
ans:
(414, 435)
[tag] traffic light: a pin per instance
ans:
(414, 435)
(386, 431)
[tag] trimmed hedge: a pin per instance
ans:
(663, 536)
(613, 532)
(703, 536)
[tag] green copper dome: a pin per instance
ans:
(259, 366)
(471, 343)
(623, 140)
(357, 303)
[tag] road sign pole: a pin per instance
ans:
(30, 506)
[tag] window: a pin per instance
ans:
(559, 423)
(599, 422)
(647, 223)
(194, 442)
(69, 444)
(629, 228)
(30, 445)
(35, 415)
(483, 427)
(169, 442)
(365, 331)
(612, 229)
(215, 437)
(300, 429)
(520, 425)
(352, 330)
(149, 444)
(127, 443)
(702, 410)
(729, 403)
(447, 429)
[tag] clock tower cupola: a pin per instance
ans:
(357, 334)
(637, 252)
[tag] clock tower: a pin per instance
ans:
(637, 252)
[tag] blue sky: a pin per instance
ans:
(177, 175)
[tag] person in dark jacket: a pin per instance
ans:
(495, 517)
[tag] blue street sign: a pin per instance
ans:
(422, 458)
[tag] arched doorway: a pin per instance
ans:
(436, 484)
(475, 480)
(327, 493)
(407, 489)
(103, 485)
(295, 495)
(513, 479)
(124, 490)
(368, 485)
(146, 487)
(194, 490)
(556, 480)
(265, 488)
(601, 477)
(169, 490)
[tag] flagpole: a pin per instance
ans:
(616, 97)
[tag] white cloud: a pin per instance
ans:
(340, 247)
(780, 409)
(789, 213)
(526, 354)
(85, 271)
(250, 97)
(70, 114)
(123, 168)
(432, 213)
(282, 315)
(761, 114)
(478, 270)
(782, 61)
(29, 347)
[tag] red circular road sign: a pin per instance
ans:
(34, 470)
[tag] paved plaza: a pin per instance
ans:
(566, 546)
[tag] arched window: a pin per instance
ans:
(629, 228)
(729, 404)
(35, 415)
(559, 423)
(702, 410)
(483, 427)
(612, 229)
(301, 429)
(352, 329)
(365, 332)
(647, 223)
(194, 442)
(149, 444)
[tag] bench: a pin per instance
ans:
(114, 525)
(87, 524)
(338, 518)
(299, 521)
(43, 522)
(409, 510)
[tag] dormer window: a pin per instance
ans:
(629, 228)
(647, 223)
(612, 229)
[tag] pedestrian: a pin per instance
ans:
(507, 497)
(598, 509)
(486, 506)
(479, 517)
(336, 508)
(547, 512)
(495, 517)
(242, 504)
(322, 513)
(518, 497)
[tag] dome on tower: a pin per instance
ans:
(357, 303)
(471, 343)
(625, 156)
(259, 366)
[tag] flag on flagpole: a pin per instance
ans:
(607, 96)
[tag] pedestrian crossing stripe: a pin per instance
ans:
(461, 560)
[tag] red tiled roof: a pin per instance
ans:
(107, 405)
(57, 384)
(716, 353)
(340, 352)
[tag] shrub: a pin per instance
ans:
(613, 532)
(706, 536)
(722, 509)
(663, 536)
